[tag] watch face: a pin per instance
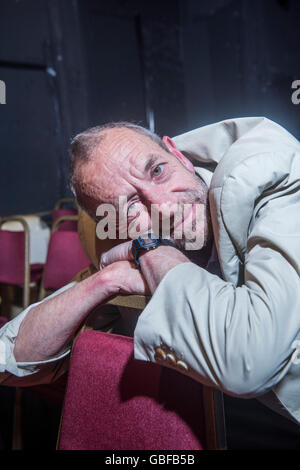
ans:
(147, 243)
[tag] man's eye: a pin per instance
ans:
(131, 209)
(157, 170)
(134, 209)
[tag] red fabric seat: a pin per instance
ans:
(115, 402)
(65, 258)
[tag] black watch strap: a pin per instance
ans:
(146, 243)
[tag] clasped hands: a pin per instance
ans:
(121, 275)
(119, 271)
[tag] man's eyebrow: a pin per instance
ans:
(152, 158)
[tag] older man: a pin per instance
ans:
(236, 328)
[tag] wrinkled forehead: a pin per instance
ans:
(118, 160)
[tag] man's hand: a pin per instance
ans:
(123, 277)
(154, 263)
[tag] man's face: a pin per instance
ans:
(129, 165)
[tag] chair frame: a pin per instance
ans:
(65, 200)
(61, 219)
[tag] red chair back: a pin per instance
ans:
(65, 259)
(115, 402)
(3, 320)
(68, 225)
(12, 248)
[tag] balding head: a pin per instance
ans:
(85, 144)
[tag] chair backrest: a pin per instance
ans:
(15, 256)
(12, 249)
(115, 402)
(39, 234)
(3, 320)
(69, 225)
(92, 245)
(65, 259)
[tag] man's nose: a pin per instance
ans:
(161, 205)
(158, 196)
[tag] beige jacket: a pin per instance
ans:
(241, 333)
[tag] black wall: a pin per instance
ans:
(240, 59)
(171, 65)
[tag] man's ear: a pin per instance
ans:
(173, 149)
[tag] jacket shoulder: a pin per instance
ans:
(239, 191)
(266, 137)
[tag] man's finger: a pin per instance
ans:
(120, 252)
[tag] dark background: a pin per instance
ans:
(171, 65)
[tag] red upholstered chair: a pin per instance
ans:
(65, 258)
(3, 320)
(66, 219)
(68, 223)
(15, 268)
(114, 402)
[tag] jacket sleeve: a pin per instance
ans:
(242, 340)
(20, 374)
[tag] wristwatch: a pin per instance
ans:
(148, 242)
